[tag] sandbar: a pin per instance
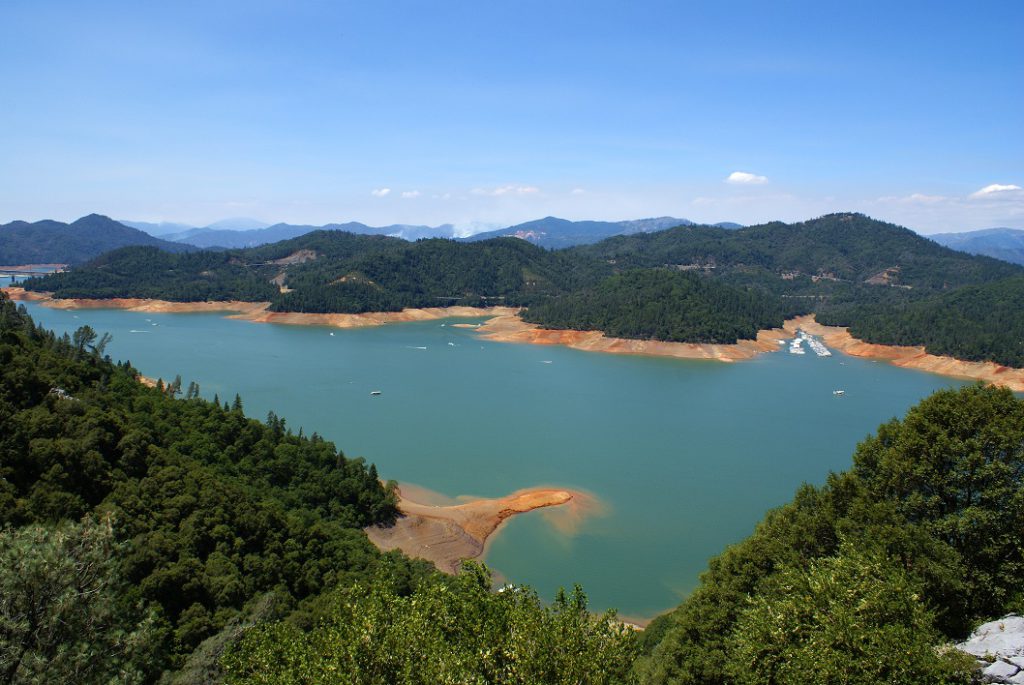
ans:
(446, 534)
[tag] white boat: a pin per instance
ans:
(838, 392)
(374, 392)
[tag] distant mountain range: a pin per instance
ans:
(57, 242)
(210, 237)
(1002, 243)
(550, 232)
(695, 283)
(553, 233)
(54, 242)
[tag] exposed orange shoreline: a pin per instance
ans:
(506, 326)
(447, 534)
(911, 357)
(511, 328)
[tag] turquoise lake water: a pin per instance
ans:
(684, 456)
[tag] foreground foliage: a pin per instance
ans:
(940, 494)
(211, 510)
(454, 631)
(64, 613)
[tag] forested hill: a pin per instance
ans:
(665, 305)
(211, 510)
(332, 271)
(879, 278)
(53, 242)
(858, 581)
(975, 323)
(846, 248)
(149, 535)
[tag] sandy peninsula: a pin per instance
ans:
(445, 534)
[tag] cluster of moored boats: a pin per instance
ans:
(796, 344)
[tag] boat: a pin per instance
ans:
(374, 393)
(838, 392)
(332, 335)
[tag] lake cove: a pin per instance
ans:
(680, 457)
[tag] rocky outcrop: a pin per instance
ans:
(999, 648)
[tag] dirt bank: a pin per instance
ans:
(373, 318)
(911, 357)
(510, 328)
(134, 304)
(257, 311)
(447, 534)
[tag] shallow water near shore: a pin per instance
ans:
(685, 456)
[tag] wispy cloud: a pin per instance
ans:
(577, 191)
(506, 190)
(915, 199)
(410, 194)
(380, 192)
(746, 178)
(996, 190)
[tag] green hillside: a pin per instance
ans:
(888, 283)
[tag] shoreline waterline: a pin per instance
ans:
(505, 325)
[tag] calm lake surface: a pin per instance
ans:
(684, 456)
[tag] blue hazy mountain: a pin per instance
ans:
(1002, 243)
(552, 232)
(208, 237)
(55, 242)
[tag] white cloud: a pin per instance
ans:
(380, 192)
(745, 178)
(410, 194)
(577, 191)
(506, 190)
(995, 189)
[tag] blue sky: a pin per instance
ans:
(463, 112)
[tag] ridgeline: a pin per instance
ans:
(888, 284)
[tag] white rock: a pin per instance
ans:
(1001, 669)
(1016, 679)
(1017, 661)
(1003, 638)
